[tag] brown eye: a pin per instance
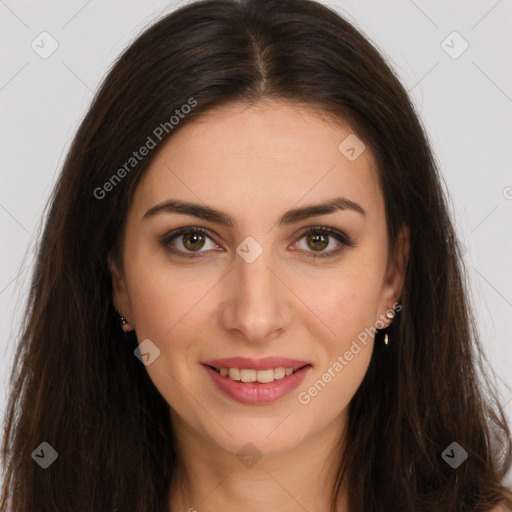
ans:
(317, 242)
(193, 241)
(318, 239)
(188, 242)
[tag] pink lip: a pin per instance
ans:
(256, 364)
(255, 393)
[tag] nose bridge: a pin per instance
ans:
(255, 278)
(257, 303)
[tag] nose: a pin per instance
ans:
(257, 306)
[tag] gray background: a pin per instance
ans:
(465, 101)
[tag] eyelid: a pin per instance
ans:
(166, 240)
(343, 239)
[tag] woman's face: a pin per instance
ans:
(250, 282)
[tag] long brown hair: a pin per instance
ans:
(76, 383)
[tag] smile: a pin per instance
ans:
(250, 375)
(256, 382)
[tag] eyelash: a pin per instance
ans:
(343, 239)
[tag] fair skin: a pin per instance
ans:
(255, 164)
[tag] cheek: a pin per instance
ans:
(168, 308)
(165, 299)
(346, 303)
(337, 383)
(155, 305)
(347, 309)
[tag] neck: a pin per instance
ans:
(209, 478)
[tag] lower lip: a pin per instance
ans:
(256, 393)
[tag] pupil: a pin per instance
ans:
(318, 239)
(193, 238)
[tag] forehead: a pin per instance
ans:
(265, 157)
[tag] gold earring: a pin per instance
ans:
(390, 314)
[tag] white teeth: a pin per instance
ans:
(261, 376)
(265, 376)
(247, 375)
(279, 373)
(234, 373)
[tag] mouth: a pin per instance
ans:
(256, 386)
(251, 375)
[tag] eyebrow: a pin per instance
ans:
(290, 217)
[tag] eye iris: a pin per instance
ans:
(193, 238)
(318, 238)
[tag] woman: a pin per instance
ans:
(249, 292)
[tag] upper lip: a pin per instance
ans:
(256, 364)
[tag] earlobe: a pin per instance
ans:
(120, 296)
(395, 275)
(117, 278)
(401, 258)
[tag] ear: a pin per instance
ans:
(120, 296)
(395, 272)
